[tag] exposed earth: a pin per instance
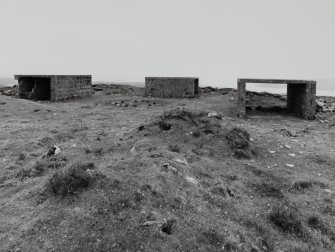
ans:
(146, 174)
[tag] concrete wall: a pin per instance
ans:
(241, 98)
(67, 87)
(301, 100)
(171, 87)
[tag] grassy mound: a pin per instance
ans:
(203, 134)
(72, 179)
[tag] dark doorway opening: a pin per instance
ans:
(35, 88)
(196, 86)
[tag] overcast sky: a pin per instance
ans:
(126, 40)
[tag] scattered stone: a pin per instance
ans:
(191, 180)
(272, 152)
(289, 133)
(323, 106)
(287, 146)
(181, 161)
(55, 150)
(172, 169)
(289, 165)
(292, 154)
(328, 191)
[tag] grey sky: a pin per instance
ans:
(125, 40)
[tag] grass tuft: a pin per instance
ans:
(269, 190)
(71, 180)
(317, 223)
(41, 167)
(181, 114)
(163, 125)
(174, 148)
(301, 186)
(287, 219)
(238, 138)
(213, 237)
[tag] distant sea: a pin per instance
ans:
(281, 89)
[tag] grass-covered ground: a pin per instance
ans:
(145, 174)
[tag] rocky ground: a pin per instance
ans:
(147, 174)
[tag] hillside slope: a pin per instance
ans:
(146, 174)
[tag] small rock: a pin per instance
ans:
(272, 152)
(191, 180)
(287, 146)
(153, 216)
(170, 168)
(289, 165)
(212, 114)
(55, 150)
(181, 161)
(320, 103)
(292, 154)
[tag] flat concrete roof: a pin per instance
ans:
(276, 81)
(48, 76)
(168, 78)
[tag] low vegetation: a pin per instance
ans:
(71, 179)
(136, 179)
(41, 167)
(287, 218)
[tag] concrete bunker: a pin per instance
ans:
(301, 96)
(171, 87)
(54, 87)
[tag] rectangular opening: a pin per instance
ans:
(35, 88)
(196, 86)
(299, 101)
(266, 98)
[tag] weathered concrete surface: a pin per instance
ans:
(171, 87)
(301, 96)
(54, 87)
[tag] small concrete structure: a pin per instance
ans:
(54, 87)
(300, 96)
(176, 87)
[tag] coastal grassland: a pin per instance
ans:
(162, 176)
